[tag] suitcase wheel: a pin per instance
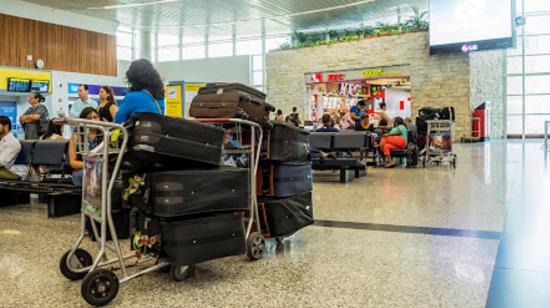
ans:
(181, 272)
(81, 258)
(99, 287)
(255, 246)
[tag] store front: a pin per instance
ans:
(336, 92)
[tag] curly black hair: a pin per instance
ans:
(143, 76)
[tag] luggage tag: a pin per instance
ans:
(133, 186)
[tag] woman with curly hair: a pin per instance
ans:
(146, 91)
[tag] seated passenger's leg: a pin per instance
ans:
(5, 174)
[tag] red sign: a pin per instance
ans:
(335, 77)
(317, 77)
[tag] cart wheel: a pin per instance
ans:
(99, 287)
(255, 246)
(81, 259)
(180, 272)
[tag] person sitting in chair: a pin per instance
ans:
(396, 139)
(9, 149)
(328, 126)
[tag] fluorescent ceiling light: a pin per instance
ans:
(130, 5)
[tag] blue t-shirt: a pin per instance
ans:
(358, 113)
(136, 102)
(327, 129)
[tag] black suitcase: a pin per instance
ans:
(197, 240)
(284, 179)
(178, 193)
(63, 204)
(157, 141)
(286, 143)
(284, 217)
(121, 219)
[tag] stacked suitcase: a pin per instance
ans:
(185, 207)
(231, 100)
(284, 181)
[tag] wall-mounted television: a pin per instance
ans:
(471, 25)
(19, 85)
(40, 86)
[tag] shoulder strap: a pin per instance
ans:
(154, 99)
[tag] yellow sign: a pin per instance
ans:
(380, 73)
(36, 75)
(194, 87)
(174, 101)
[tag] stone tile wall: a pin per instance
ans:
(439, 80)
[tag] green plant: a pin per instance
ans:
(417, 20)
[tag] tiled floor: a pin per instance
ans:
(497, 187)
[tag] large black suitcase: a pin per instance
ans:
(121, 219)
(178, 193)
(285, 216)
(190, 241)
(284, 179)
(157, 141)
(197, 240)
(286, 143)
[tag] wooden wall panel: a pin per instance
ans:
(62, 48)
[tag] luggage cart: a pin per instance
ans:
(439, 144)
(250, 145)
(100, 285)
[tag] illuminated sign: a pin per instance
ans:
(335, 77)
(379, 72)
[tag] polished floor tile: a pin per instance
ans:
(495, 191)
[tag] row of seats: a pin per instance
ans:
(341, 144)
(45, 153)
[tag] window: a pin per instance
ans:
(124, 53)
(219, 33)
(168, 54)
(125, 43)
(220, 49)
(250, 47)
(529, 106)
(194, 52)
(258, 78)
(124, 39)
(257, 63)
(275, 43)
(164, 39)
(193, 36)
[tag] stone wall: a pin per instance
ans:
(487, 83)
(439, 80)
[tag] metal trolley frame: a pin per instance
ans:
(255, 247)
(434, 153)
(100, 285)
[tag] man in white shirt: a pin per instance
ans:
(9, 149)
(83, 102)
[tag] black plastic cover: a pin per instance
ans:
(185, 192)
(287, 143)
(197, 240)
(161, 142)
(286, 216)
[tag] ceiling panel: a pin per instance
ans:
(281, 15)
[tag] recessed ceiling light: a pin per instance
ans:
(129, 5)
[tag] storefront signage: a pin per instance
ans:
(174, 101)
(380, 72)
(27, 74)
(335, 77)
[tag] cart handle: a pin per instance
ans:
(226, 120)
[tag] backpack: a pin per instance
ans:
(412, 155)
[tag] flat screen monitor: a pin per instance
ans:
(471, 25)
(18, 85)
(40, 86)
